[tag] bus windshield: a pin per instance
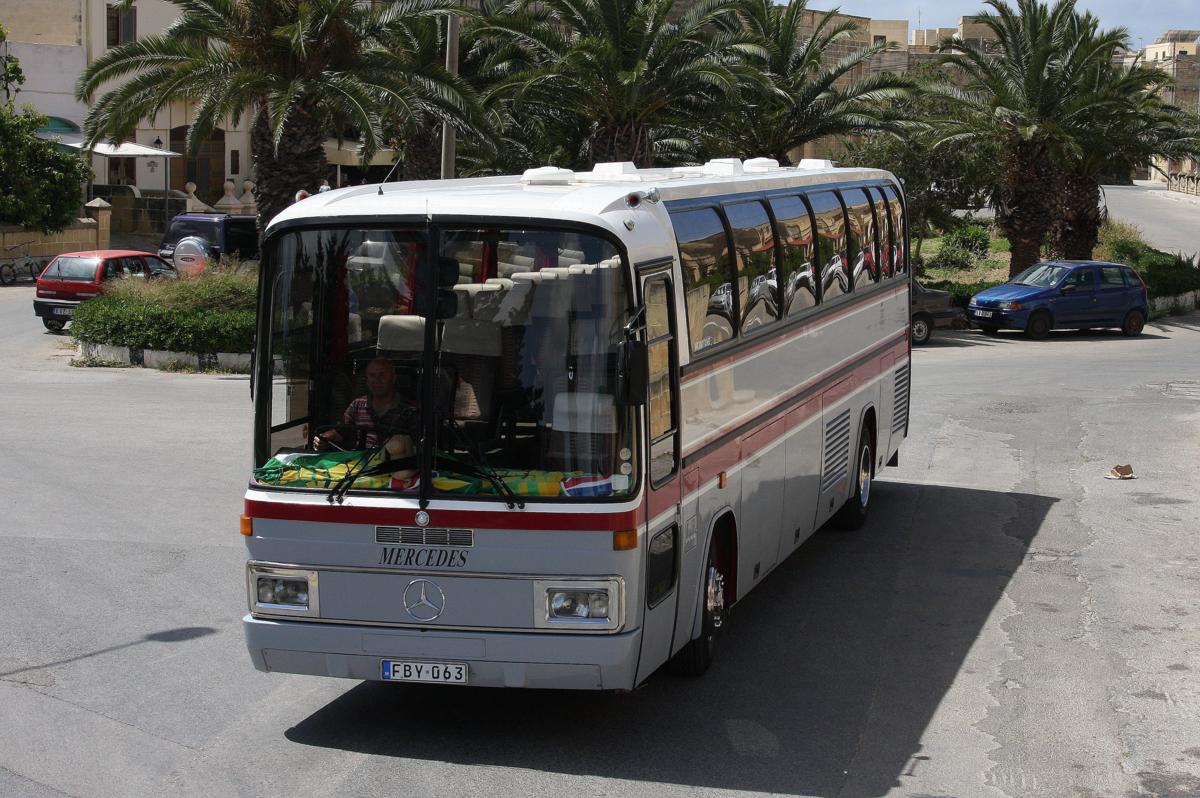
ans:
(523, 371)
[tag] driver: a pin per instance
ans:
(381, 409)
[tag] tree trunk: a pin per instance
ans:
(298, 164)
(623, 141)
(422, 153)
(1025, 201)
(1077, 217)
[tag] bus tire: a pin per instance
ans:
(695, 657)
(854, 512)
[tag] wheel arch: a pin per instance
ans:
(722, 530)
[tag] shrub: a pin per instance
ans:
(1165, 274)
(210, 313)
(1116, 235)
(962, 292)
(952, 255)
(972, 237)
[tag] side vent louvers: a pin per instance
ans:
(837, 450)
(900, 405)
(414, 536)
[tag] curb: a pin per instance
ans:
(237, 362)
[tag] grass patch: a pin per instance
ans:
(98, 363)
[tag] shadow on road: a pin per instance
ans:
(824, 684)
(166, 636)
(958, 338)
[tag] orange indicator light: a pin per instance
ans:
(625, 540)
(247, 525)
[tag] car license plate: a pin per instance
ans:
(64, 311)
(432, 672)
(983, 314)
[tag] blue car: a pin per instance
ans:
(1064, 294)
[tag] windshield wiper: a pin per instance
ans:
(338, 491)
(482, 468)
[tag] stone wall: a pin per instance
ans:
(82, 234)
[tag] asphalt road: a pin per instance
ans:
(1008, 623)
(1169, 222)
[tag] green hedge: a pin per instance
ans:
(962, 292)
(212, 313)
(1165, 274)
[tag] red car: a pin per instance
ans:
(74, 277)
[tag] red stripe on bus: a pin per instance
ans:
(472, 519)
(791, 334)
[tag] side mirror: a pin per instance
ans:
(633, 373)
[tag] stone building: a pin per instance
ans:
(57, 39)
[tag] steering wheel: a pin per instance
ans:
(346, 432)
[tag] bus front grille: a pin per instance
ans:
(415, 536)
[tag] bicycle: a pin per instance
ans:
(20, 264)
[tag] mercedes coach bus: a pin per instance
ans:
(545, 430)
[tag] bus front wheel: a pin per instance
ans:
(695, 657)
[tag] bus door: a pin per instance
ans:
(663, 536)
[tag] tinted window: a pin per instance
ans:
(899, 230)
(707, 268)
(186, 228)
(72, 269)
(1042, 275)
(860, 237)
(1111, 277)
(661, 411)
(660, 566)
(794, 228)
(241, 238)
(831, 244)
(887, 235)
(754, 245)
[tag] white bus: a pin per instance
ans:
(544, 430)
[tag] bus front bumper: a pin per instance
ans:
(494, 659)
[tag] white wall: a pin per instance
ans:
(50, 74)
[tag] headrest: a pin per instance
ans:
(471, 337)
(584, 412)
(401, 333)
(514, 305)
(503, 282)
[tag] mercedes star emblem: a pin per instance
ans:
(424, 600)
(422, 518)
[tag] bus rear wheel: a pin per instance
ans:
(854, 512)
(695, 657)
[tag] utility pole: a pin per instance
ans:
(448, 142)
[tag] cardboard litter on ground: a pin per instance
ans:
(1120, 472)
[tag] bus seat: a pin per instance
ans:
(486, 301)
(583, 432)
(503, 282)
(402, 334)
(473, 348)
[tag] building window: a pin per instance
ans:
(878, 40)
(235, 162)
(121, 25)
(122, 171)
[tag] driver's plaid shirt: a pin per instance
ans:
(360, 413)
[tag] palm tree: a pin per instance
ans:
(300, 68)
(1125, 132)
(1032, 98)
(804, 97)
(623, 69)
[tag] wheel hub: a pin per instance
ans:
(864, 476)
(714, 600)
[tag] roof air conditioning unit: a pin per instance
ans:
(723, 167)
(548, 176)
(761, 165)
(816, 163)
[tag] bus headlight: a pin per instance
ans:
(282, 591)
(582, 604)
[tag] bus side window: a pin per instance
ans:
(899, 229)
(860, 235)
(794, 227)
(707, 277)
(661, 409)
(831, 244)
(754, 244)
(887, 238)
